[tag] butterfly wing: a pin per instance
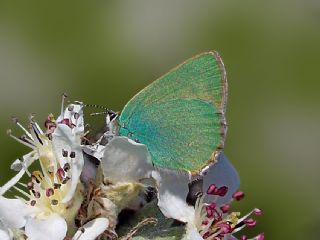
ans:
(180, 116)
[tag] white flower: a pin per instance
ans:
(50, 201)
(211, 218)
(125, 160)
(124, 166)
(92, 229)
(173, 188)
(62, 137)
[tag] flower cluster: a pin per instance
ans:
(81, 188)
(214, 222)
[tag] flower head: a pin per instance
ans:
(214, 222)
(68, 197)
(50, 200)
(212, 218)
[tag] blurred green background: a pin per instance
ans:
(104, 52)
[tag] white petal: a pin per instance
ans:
(192, 234)
(222, 173)
(92, 229)
(4, 235)
(53, 228)
(14, 212)
(69, 113)
(126, 160)
(96, 151)
(64, 139)
(172, 193)
(79, 121)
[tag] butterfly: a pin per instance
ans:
(180, 117)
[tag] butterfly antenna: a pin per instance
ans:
(98, 113)
(95, 106)
(107, 111)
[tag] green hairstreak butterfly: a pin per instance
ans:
(180, 117)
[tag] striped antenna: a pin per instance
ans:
(95, 106)
(107, 111)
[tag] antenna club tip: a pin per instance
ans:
(64, 95)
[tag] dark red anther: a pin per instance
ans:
(250, 222)
(225, 208)
(65, 121)
(64, 153)
(49, 124)
(30, 185)
(65, 180)
(34, 179)
(212, 206)
(33, 202)
(205, 222)
(257, 212)
(49, 192)
(238, 195)
(225, 228)
(209, 212)
(66, 167)
(60, 173)
(76, 115)
(211, 189)
(206, 235)
(72, 154)
(260, 236)
(50, 131)
(222, 191)
(36, 194)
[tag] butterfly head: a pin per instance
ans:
(111, 117)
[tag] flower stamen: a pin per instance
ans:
(214, 222)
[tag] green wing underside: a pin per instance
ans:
(180, 117)
(179, 134)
